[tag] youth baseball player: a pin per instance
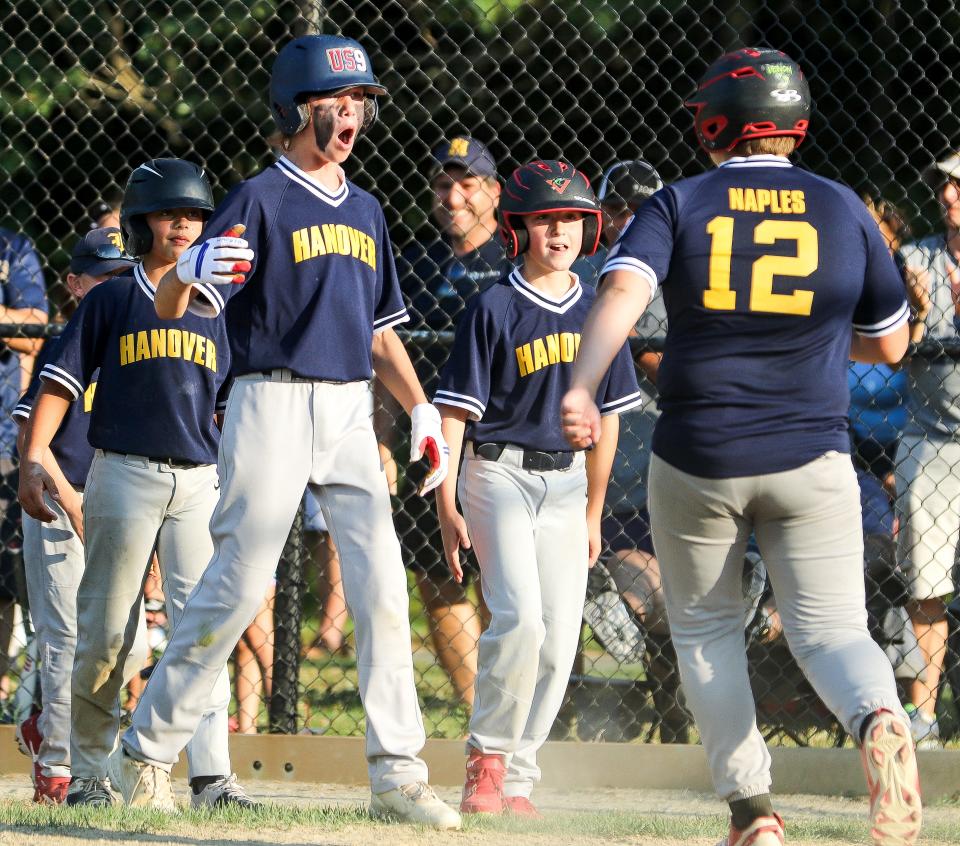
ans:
(308, 325)
(772, 278)
(531, 505)
(53, 552)
(153, 481)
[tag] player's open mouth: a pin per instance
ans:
(346, 137)
(559, 248)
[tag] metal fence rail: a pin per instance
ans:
(91, 88)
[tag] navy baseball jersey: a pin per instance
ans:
(323, 278)
(766, 270)
(70, 446)
(159, 379)
(512, 361)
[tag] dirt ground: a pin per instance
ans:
(670, 805)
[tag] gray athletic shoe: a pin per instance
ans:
(141, 785)
(415, 803)
(93, 792)
(226, 792)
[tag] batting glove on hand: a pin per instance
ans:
(220, 261)
(426, 439)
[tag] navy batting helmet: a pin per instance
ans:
(156, 185)
(547, 186)
(750, 93)
(319, 64)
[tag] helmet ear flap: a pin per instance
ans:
(591, 234)
(137, 236)
(517, 240)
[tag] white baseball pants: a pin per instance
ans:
(807, 525)
(529, 531)
(131, 505)
(279, 435)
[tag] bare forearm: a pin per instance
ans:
(23, 316)
(453, 423)
(395, 370)
(172, 297)
(619, 305)
(49, 409)
(600, 463)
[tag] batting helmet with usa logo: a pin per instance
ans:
(547, 186)
(314, 65)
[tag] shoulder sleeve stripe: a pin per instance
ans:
(886, 326)
(622, 404)
(632, 265)
(209, 303)
(56, 374)
(391, 319)
(471, 404)
(22, 410)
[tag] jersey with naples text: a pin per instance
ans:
(70, 445)
(159, 379)
(323, 278)
(766, 270)
(512, 361)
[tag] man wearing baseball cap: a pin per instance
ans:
(438, 275)
(99, 253)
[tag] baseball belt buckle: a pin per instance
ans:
(543, 462)
(489, 452)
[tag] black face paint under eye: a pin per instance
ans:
(323, 123)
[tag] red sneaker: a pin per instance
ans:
(763, 831)
(28, 742)
(520, 806)
(50, 790)
(890, 764)
(483, 790)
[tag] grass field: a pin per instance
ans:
(327, 814)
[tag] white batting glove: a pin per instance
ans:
(427, 439)
(220, 261)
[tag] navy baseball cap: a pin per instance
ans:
(466, 152)
(100, 251)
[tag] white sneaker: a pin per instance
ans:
(925, 730)
(141, 785)
(415, 803)
(896, 812)
(222, 793)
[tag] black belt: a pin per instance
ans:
(533, 459)
(175, 463)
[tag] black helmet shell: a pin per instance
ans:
(546, 186)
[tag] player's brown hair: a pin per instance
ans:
(777, 145)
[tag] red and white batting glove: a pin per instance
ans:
(426, 439)
(222, 260)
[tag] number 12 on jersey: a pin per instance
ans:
(720, 297)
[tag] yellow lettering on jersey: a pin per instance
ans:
(189, 344)
(524, 359)
(540, 358)
(143, 347)
(777, 201)
(798, 201)
(553, 348)
(569, 342)
(335, 239)
(749, 200)
(88, 395)
(198, 356)
(763, 199)
(317, 247)
(301, 245)
(173, 343)
(158, 343)
(736, 199)
(126, 349)
(330, 237)
(211, 359)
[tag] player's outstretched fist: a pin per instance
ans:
(580, 419)
(426, 439)
(221, 260)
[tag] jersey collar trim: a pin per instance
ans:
(304, 180)
(145, 285)
(561, 306)
(759, 160)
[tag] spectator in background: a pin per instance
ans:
(23, 299)
(928, 460)
(438, 277)
(106, 210)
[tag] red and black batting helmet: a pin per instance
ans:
(547, 186)
(750, 93)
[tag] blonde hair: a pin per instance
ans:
(776, 145)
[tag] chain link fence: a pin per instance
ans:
(88, 90)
